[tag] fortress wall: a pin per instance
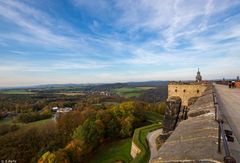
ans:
(186, 91)
(134, 150)
(194, 139)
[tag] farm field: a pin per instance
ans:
(129, 92)
(71, 93)
(114, 151)
(16, 91)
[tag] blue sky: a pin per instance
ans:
(91, 41)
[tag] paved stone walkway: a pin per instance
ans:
(229, 104)
(151, 137)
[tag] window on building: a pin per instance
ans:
(197, 91)
(184, 90)
(175, 90)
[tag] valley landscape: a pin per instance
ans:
(119, 81)
(95, 120)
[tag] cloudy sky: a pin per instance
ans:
(89, 41)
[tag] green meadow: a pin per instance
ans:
(16, 91)
(129, 92)
(112, 152)
(36, 123)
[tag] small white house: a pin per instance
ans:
(55, 108)
(60, 111)
(64, 110)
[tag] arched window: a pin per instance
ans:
(197, 91)
(175, 90)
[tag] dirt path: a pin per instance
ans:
(151, 138)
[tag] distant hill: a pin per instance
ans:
(155, 95)
(94, 85)
(148, 83)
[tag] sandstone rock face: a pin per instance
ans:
(171, 114)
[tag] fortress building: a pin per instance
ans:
(188, 92)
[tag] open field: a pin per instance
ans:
(16, 91)
(36, 123)
(139, 139)
(7, 126)
(111, 152)
(128, 92)
(110, 103)
(71, 93)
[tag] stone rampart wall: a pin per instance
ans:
(134, 150)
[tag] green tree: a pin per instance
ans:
(68, 123)
(89, 132)
(47, 157)
(127, 126)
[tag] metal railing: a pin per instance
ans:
(224, 135)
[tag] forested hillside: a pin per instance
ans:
(100, 115)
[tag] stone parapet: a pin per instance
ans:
(187, 83)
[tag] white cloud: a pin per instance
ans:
(152, 34)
